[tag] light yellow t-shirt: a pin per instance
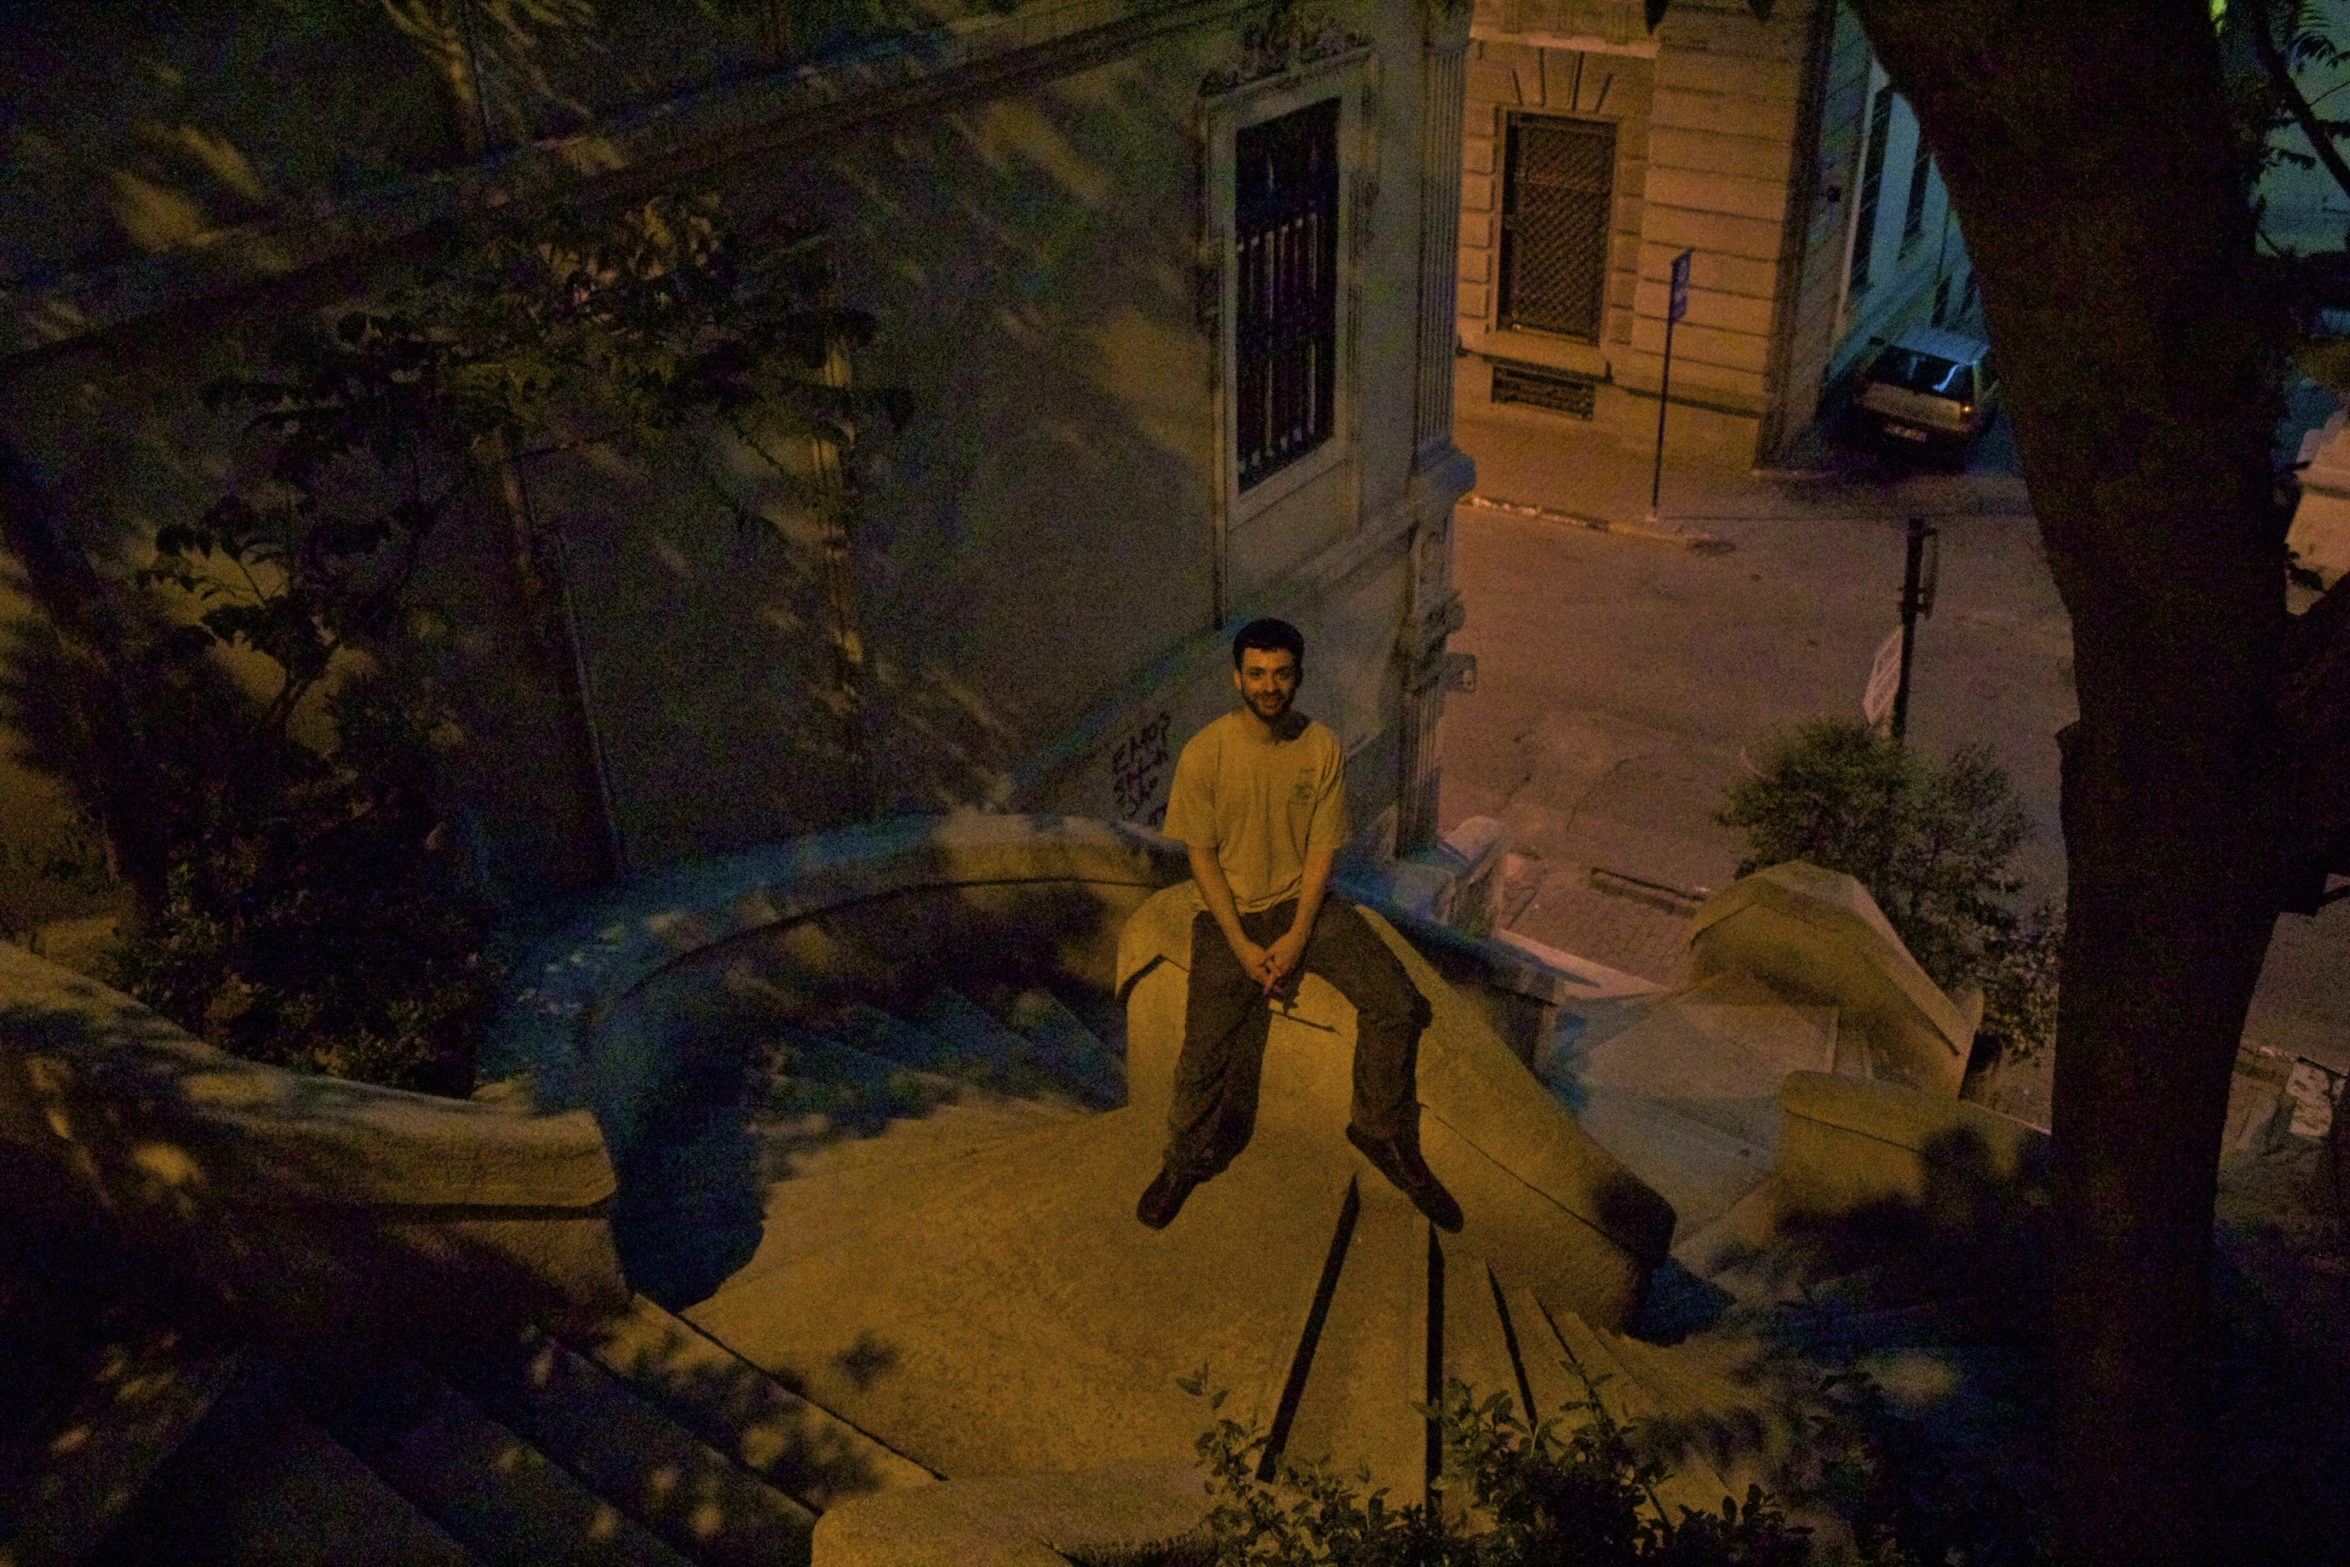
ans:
(1260, 804)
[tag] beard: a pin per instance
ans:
(1272, 706)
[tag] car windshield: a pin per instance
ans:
(1913, 371)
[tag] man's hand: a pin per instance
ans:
(1282, 960)
(1256, 960)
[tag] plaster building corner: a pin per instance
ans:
(1594, 151)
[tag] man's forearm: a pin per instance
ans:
(1216, 893)
(1314, 883)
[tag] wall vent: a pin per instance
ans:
(1552, 389)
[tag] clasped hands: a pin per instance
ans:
(1279, 967)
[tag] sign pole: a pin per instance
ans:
(1674, 311)
(1917, 598)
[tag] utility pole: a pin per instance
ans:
(1918, 575)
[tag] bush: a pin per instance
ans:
(1933, 846)
(297, 897)
(1519, 1496)
(314, 917)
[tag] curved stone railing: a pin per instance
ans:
(1850, 1142)
(324, 1209)
(1816, 935)
(770, 926)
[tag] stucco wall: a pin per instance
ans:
(1707, 114)
(1739, 140)
(1041, 565)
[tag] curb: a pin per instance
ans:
(1702, 543)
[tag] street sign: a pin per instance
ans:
(1884, 679)
(1680, 304)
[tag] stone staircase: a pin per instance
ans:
(914, 1211)
(644, 1442)
(972, 1287)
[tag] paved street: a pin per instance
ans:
(1622, 678)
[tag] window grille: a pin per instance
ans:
(1558, 180)
(1285, 332)
(1566, 394)
(1913, 213)
(1872, 185)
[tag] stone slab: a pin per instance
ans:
(1002, 1311)
(1016, 1520)
(1370, 1366)
(793, 1445)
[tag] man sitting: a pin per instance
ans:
(1259, 797)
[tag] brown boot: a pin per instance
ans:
(1163, 1198)
(1402, 1165)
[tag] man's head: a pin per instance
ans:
(1268, 661)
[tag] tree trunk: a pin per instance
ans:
(2086, 153)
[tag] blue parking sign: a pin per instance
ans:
(1680, 304)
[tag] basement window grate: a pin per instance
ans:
(1561, 393)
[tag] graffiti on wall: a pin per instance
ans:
(1140, 769)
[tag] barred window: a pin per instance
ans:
(1285, 334)
(1913, 214)
(1558, 178)
(1872, 187)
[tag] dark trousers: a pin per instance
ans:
(1226, 1019)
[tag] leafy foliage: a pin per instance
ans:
(1933, 846)
(1518, 1496)
(308, 908)
(46, 876)
(315, 919)
(1912, 1496)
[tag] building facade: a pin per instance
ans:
(1594, 152)
(1170, 289)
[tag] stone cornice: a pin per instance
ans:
(667, 141)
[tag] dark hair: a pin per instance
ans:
(1269, 636)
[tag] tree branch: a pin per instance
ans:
(2280, 77)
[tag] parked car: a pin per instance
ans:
(1930, 391)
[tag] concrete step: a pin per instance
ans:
(503, 1498)
(893, 1038)
(1370, 1367)
(1001, 1311)
(1697, 1167)
(1733, 1249)
(1001, 1058)
(1717, 1402)
(801, 1449)
(990, 1053)
(148, 1391)
(260, 1484)
(1568, 1362)
(1553, 1380)
(856, 1089)
(1068, 1050)
(634, 1455)
(1687, 1093)
(1480, 1342)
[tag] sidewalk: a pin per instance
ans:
(1623, 680)
(1622, 677)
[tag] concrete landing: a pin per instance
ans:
(1686, 1094)
(1001, 1310)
